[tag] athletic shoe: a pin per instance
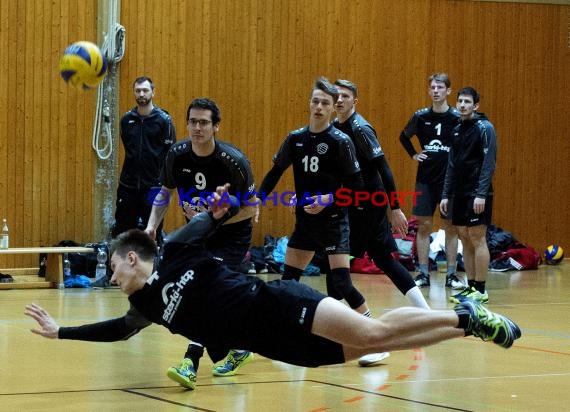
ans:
(487, 325)
(470, 293)
(6, 278)
(453, 282)
(422, 280)
(184, 374)
(232, 363)
(373, 358)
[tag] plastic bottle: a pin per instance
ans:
(66, 266)
(5, 242)
(101, 268)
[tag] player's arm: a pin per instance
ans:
(406, 142)
(489, 142)
(448, 183)
(106, 331)
(281, 161)
(410, 131)
(271, 179)
(162, 198)
(397, 218)
(223, 207)
(243, 184)
(159, 209)
(249, 209)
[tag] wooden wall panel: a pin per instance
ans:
(258, 59)
(45, 126)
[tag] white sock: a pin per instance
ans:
(415, 297)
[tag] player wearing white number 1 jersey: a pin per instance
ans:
(433, 126)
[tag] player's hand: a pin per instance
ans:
(257, 210)
(318, 203)
(443, 206)
(478, 205)
(49, 328)
(190, 211)
(420, 157)
(219, 201)
(292, 202)
(399, 222)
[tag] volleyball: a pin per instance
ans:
(553, 254)
(83, 65)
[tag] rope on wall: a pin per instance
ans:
(114, 48)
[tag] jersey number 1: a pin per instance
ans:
(438, 129)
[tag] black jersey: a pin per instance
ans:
(146, 140)
(434, 134)
(196, 176)
(321, 161)
(273, 323)
(275, 317)
(367, 148)
(178, 294)
(472, 159)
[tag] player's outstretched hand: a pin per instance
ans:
(220, 201)
(49, 328)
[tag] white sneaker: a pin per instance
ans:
(373, 358)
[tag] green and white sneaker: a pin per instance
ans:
(232, 363)
(487, 325)
(470, 293)
(184, 374)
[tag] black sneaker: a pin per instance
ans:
(453, 282)
(488, 325)
(6, 278)
(422, 280)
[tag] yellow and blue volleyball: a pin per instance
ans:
(553, 254)
(83, 65)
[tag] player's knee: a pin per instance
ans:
(331, 289)
(425, 224)
(343, 286)
(291, 273)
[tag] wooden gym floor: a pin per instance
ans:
(461, 375)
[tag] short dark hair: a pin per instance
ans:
(205, 104)
(440, 77)
(349, 85)
(134, 240)
(470, 91)
(323, 84)
(143, 79)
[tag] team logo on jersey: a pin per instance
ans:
(186, 170)
(172, 295)
(322, 148)
(436, 146)
(377, 150)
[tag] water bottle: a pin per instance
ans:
(66, 266)
(5, 242)
(101, 268)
